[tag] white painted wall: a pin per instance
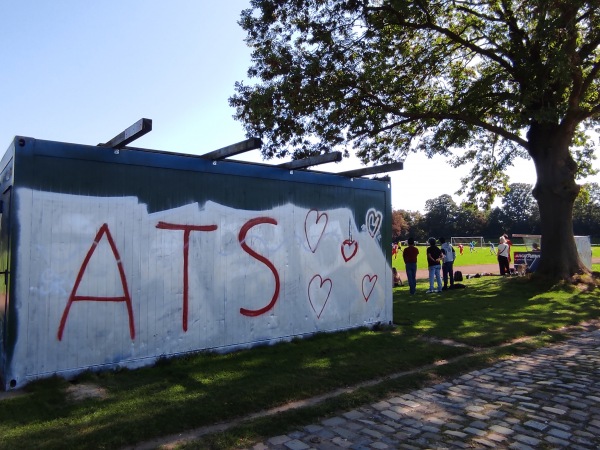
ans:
(332, 274)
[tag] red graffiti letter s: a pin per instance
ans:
(242, 238)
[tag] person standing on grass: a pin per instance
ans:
(492, 248)
(461, 248)
(503, 252)
(434, 261)
(449, 255)
(410, 254)
(509, 243)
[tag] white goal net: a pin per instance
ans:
(466, 241)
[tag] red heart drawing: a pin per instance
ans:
(318, 293)
(373, 219)
(349, 249)
(368, 284)
(314, 228)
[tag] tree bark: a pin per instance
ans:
(555, 192)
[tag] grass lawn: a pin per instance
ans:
(179, 395)
(490, 309)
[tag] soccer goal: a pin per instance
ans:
(467, 240)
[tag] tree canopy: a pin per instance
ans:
(391, 77)
(520, 212)
(480, 81)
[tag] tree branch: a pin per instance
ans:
(586, 50)
(591, 77)
(444, 31)
(413, 116)
(471, 121)
(513, 26)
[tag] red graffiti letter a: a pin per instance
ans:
(74, 297)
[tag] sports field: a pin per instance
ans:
(481, 255)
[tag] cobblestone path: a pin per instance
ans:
(543, 400)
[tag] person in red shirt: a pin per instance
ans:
(410, 254)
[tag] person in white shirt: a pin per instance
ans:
(448, 265)
(503, 252)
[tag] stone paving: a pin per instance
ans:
(544, 400)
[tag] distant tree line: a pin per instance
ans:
(518, 214)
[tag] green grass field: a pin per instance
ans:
(482, 255)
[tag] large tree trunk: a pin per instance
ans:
(555, 192)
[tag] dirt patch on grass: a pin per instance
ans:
(83, 391)
(423, 274)
(447, 342)
(5, 395)
(586, 282)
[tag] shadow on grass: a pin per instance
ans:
(186, 393)
(493, 310)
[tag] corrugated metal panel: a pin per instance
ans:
(121, 257)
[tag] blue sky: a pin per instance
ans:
(82, 71)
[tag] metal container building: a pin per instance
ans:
(117, 257)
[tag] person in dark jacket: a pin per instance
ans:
(434, 261)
